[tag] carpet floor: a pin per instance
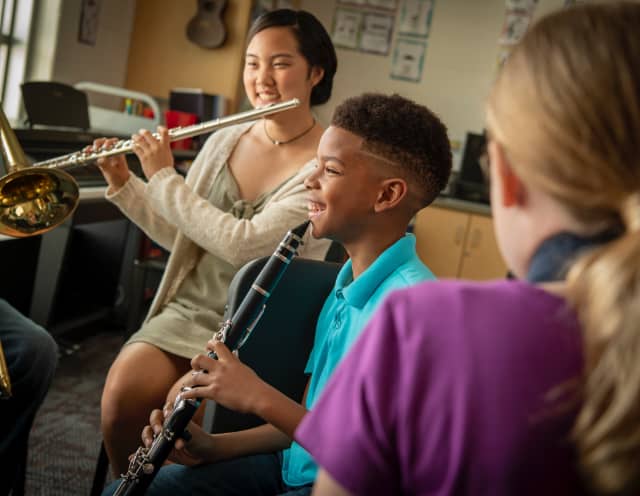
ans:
(65, 439)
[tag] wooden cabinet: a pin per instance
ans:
(458, 244)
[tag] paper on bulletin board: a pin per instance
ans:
(376, 33)
(390, 5)
(516, 23)
(415, 17)
(518, 15)
(89, 14)
(346, 28)
(408, 60)
(356, 3)
(524, 5)
(267, 5)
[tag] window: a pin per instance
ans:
(15, 22)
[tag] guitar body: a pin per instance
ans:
(206, 28)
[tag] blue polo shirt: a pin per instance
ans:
(346, 311)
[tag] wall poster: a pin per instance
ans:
(415, 17)
(515, 25)
(390, 5)
(408, 60)
(347, 25)
(517, 17)
(376, 33)
(88, 28)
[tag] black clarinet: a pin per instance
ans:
(233, 332)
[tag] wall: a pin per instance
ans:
(58, 56)
(459, 67)
(144, 47)
(161, 57)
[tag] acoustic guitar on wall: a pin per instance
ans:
(206, 28)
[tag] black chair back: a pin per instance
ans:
(280, 343)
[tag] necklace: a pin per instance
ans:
(278, 142)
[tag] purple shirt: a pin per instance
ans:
(452, 390)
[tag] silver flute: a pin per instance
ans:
(175, 134)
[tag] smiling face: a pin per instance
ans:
(343, 188)
(275, 70)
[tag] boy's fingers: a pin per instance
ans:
(155, 420)
(202, 362)
(186, 436)
(147, 436)
(222, 351)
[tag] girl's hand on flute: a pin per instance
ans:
(154, 154)
(226, 381)
(114, 169)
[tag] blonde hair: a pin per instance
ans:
(566, 109)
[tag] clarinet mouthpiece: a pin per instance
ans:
(301, 229)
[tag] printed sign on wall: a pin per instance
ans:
(88, 29)
(408, 60)
(415, 17)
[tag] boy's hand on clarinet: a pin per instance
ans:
(114, 169)
(185, 452)
(154, 154)
(226, 381)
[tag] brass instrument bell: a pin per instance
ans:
(33, 200)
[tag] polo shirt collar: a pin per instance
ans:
(357, 293)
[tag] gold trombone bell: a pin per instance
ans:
(33, 200)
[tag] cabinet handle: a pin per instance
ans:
(459, 236)
(476, 238)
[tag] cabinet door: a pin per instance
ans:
(440, 236)
(481, 258)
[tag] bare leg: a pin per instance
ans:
(138, 381)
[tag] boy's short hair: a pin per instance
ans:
(403, 132)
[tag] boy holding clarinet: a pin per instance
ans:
(382, 159)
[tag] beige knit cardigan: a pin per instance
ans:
(173, 212)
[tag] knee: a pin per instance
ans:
(171, 480)
(137, 382)
(117, 404)
(33, 359)
(44, 349)
(125, 401)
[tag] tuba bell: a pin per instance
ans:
(33, 200)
